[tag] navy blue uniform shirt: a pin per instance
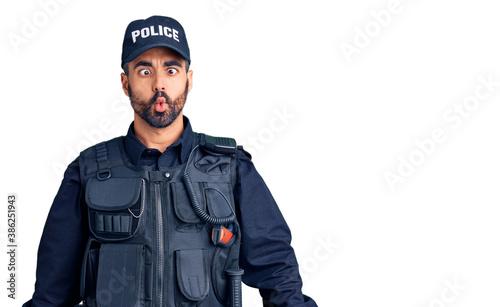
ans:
(266, 254)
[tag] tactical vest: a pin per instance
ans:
(148, 245)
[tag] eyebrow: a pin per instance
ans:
(172, 63)
(143, 63)
(165, 64)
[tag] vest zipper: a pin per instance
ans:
(160, 245)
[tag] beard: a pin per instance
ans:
(146, 109)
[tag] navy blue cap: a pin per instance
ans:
(156, 31)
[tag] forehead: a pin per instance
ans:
(161, 53)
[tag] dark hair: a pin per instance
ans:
(126, 71)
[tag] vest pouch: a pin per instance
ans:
(120, 275)
(115, 207)
(186, 219)
(191, 276)
(218, 198)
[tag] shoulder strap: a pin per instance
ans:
(100, 159)
(103, 172)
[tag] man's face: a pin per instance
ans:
(157, 84)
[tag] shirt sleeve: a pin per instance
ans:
(266, 254)
(61, 247)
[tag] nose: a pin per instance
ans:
(159, 84)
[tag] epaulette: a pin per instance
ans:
(221, 145)
(217, 145)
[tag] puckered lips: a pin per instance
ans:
(160, 104)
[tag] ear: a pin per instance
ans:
(190, 80)
(124, 80)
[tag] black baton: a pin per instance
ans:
(235, 286)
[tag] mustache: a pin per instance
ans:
(136, 100)
(157, 95)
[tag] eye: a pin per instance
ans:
(172, 71)
(144, 72)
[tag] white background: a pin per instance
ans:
(350, 120)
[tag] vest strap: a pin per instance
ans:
(104, 171)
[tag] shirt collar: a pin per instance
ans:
(134, 148)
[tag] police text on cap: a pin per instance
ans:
(147, 31)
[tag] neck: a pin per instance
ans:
(158, 138)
